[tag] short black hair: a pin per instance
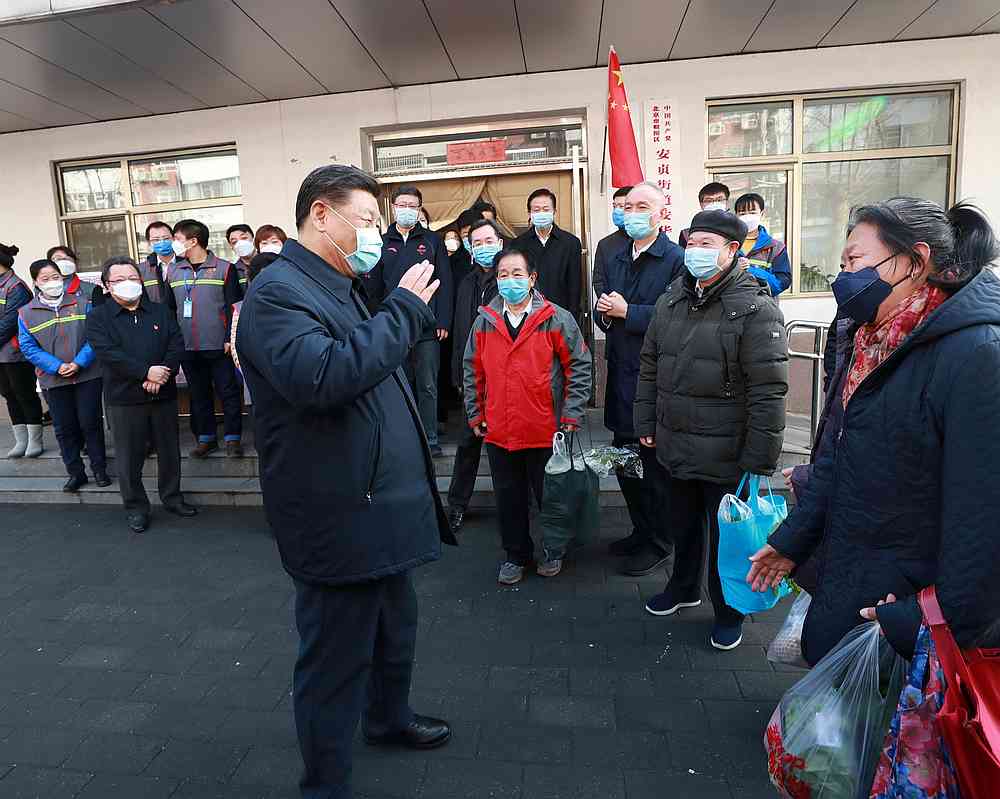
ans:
(513, 249)
(468, 217)
(485, 223)
(193, 229)
(411, 191)
(622, 192)
(241, 228)
(481, 205)
(542, 193)
(117, 260)
(38, 266)
(65, 248)
(713, 188)
(332, 184)
(155, 224)
(747, 202)
(7, 253)
(260, 262)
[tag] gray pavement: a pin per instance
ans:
(160, 666)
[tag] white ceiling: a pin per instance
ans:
(130, 59)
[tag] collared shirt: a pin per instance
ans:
(516, 318)
(637, 252)
(545, 240)
(165, 265)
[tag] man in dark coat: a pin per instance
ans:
(612, 244)
(476, 291)
(346, 471)
(555, 251)
(713, 377)
(634, 279)
(404, 244)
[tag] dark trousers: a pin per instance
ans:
(209, 374)
(17, 387)
(644, 498)
(422, 370)
(517, 475)
(694, 529)
(463, 480)
(356, 645)
(132, 426)
(78, 416)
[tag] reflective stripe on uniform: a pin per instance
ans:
(3, 301)
(58, 320)
(201, 281)
(760, 263)
(150, 283)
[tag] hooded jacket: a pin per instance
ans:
(524, 389)
(713, 375)
(912, 498)
(769, 262)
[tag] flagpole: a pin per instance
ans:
(604, 153)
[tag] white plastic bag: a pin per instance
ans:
(787, 644)
(559, 462)
(825, 736)
(733, 509)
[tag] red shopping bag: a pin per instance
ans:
(970, 717)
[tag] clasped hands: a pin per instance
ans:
(612, 305)
(156, 377)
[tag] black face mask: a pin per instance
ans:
(859, 294)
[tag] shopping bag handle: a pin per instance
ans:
(574, 437)
(754, 489)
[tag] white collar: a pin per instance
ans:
(636, 253)
(516, 318)
(539, 236)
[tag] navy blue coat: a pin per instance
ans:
(911, 498)
(641, 283)
(347, 476)
(398, 256)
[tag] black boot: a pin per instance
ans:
(75, 483)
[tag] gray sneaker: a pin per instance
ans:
(510, 573)
(549, 568)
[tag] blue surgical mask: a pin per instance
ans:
(514, 289)
(542, 219)
(859, 294)
(164, 248)
(484, 254)
(702, 262)
(638, 225)
(467, 244)
(406, 217)
(618, 217)
(369, 250)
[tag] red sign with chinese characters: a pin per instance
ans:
(477, 152)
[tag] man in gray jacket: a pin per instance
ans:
(713, 376)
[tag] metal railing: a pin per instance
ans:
(818, 330)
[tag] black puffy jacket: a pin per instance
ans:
(713, 375)
(912, 498)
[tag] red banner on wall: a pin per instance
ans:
(477, 152)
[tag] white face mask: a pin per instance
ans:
(270, 247)
(179, 248)
(243, 248)
(66, 267)
(752, 221)
(716, 206)
(52, 289)
(452, 245)
(127, 290)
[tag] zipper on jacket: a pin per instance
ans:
(369, 494)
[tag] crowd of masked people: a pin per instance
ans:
(113, 352)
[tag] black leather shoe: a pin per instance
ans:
(626, 546)
(646, 561)
(423, 733)
(181, 509)
(138, 522)
(456, 517)
(101, 479)
(75, 483)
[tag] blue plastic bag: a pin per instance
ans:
(743, 529)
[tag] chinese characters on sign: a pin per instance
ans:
(661, 153)
(477, 152)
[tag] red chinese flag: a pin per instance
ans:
(625, 169)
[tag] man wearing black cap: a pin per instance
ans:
(713, 376)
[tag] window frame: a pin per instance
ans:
(129, 210)
(794, 162)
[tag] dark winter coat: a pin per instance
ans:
(606, 252)
(398, 256)
(713, 376)
(912, 498)
(347, 476)
(14, 294)
(477, 289)
(560, 266)
(641, 282)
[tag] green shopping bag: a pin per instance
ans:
(570, 514)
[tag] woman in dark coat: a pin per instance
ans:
(911, 498)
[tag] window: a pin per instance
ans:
(106, 204)
(815, 157)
